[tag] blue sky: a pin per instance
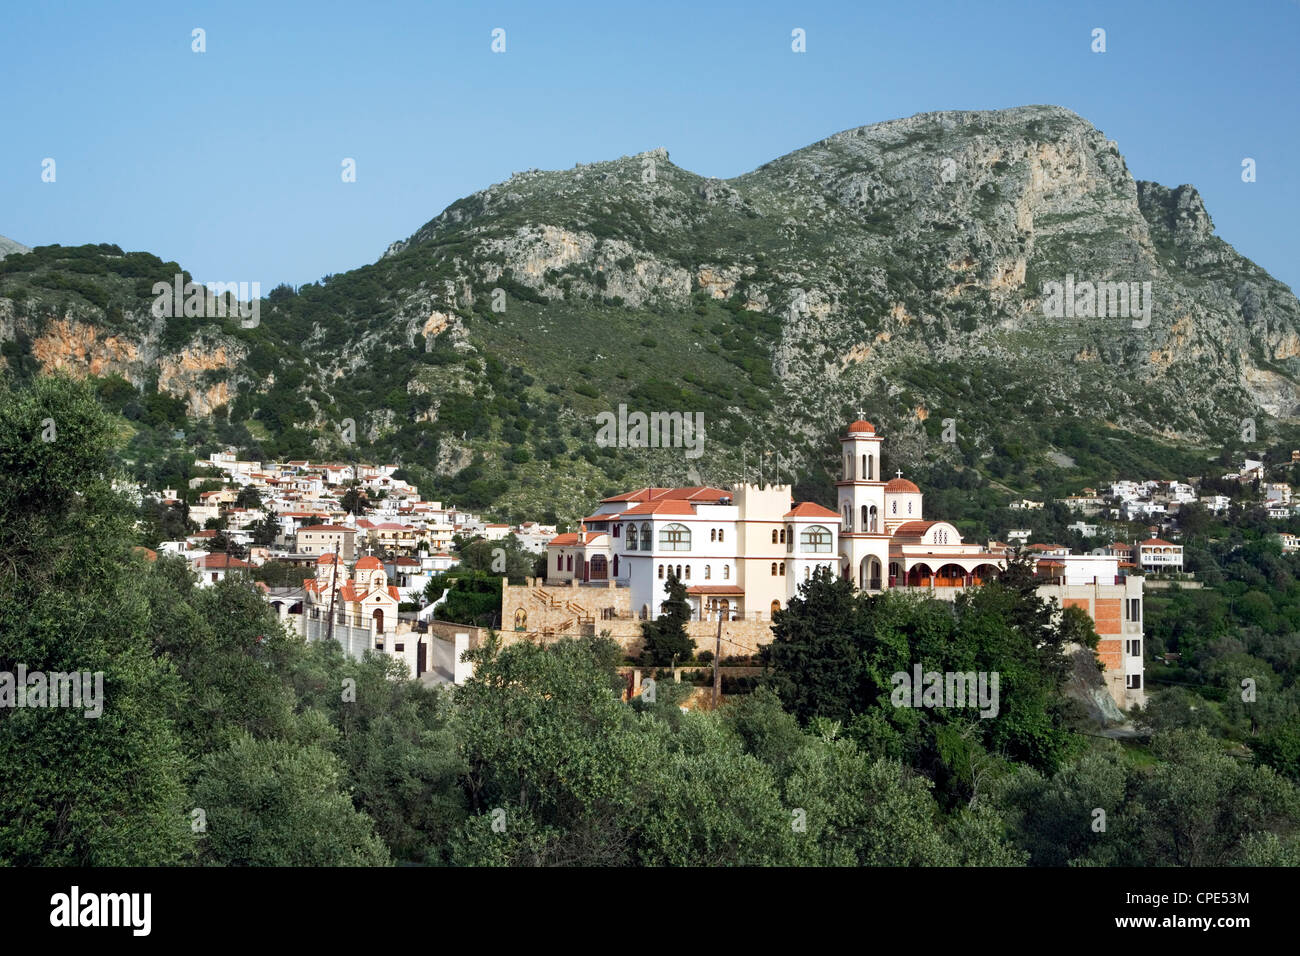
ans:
(229, 161)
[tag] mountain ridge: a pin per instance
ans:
(897, 268)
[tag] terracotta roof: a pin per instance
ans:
(572, 538)
(689, 493)
(714, 589)
(147, 553)
(672, 507)
(861, 425)
(329, 558)
(1161, 543)
(327, 527)
(916, 529)
(221, 561)
(899, 486)
(369, 562)
(810, 509)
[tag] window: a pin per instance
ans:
(726, 572)
(774, 536)
(909, 507)
(713, 534)
(688, 572)
(848, 518)
(661, 572)
(617, 527)
(1134, 682)
(645, 536)
(773, 569)
(782, 568)
(1134, 648)
(893, 507)
(816, 539)
(398, 648)
(807, 573)
(783, 535)
(631, 537)
(675, 537)
(678, 575)
(720, 533)
(708, 572)
(1133, 609)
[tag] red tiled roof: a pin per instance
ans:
(328, 558)
(916, 529)
(689, 493)
(861, 425)
(1160, 542)
(220, 561)
(810, 509)
(900, 486)
(369, 562)
(662, 507)
(327, 527)
(714, 589)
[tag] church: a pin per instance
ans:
(744, 551)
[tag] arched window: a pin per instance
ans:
(645, 536)
(661, 572)
(713, 534)
(773, 569)
(871, 520)
(688, 572)
(909, 507)
(848, 517)
(783, 536)
(783, 568)
(679, 572)
(616, 565)
(816, 539)
(570, 562)
(893, 506)
(674, 537)
(864, 516)
(776, 606)
(865, 473)
(871, 468)
(708, 571)
(721, 531)
(806, 573)
(726, 572)
(774, 536)
(631, 537)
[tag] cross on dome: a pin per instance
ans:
(899, 473)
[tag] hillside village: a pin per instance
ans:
(368, 546)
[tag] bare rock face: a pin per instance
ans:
(8, 247)
(914, 264)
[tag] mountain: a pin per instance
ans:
(8, 247)
(902, 271)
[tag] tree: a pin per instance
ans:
(665, 639)
(278, 803)
(102, 790)
(248, 497)
(355, 501)
(223, 543)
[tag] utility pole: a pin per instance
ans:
(717, 655)
(334, 577)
